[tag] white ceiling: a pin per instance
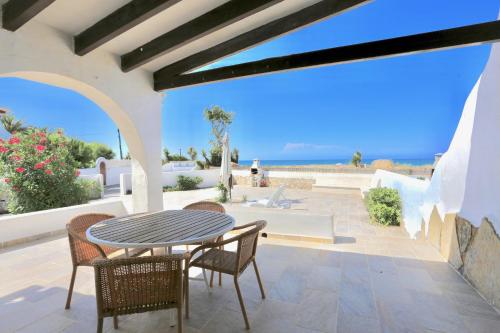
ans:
(74, 16)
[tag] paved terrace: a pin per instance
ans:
(374, 279)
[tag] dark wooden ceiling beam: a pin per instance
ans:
(476, 34)
(15, 13)
(203, 25)
(124, 18)
(321, 10)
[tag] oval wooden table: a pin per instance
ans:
(160, 229)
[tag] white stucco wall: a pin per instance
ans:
(21, 226)
(210, 178)
(467, 178)
(41, 53)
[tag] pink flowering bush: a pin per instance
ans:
(39, 171)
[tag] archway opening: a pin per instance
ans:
(87, 127)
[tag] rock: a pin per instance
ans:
(449, 242)
(482, 264)
(464, 234)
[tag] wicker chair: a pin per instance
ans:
(213, 207)
(232, 263)
(83, 252)
(157, 285)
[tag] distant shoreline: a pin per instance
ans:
(414, 162)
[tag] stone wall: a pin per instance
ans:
(473, 251)
(296, 183)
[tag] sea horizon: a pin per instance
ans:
(343, 161)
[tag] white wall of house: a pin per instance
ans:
(467, 178)
(128, 98)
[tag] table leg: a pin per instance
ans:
(126, 252)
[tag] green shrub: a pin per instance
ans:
(39, 171)
(92, 188)
(200, 165)
(186, 183)
(384, 206)
(223, 193)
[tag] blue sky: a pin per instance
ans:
(404, 107)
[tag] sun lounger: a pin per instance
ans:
(277, 199)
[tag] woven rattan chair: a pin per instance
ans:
(213, 207)
(83, 252)
(135, 285)
(232, 263)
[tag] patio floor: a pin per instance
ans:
(373, 280)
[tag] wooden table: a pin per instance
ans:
(161, 229)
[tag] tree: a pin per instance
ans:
(166, 156)
(192, 153)
(220, 121)
(235, 156)
(205, 157)
(356, 159)
(11, 124)
(216, 156)
(82, 153)
(101, 150)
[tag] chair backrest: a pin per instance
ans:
(206, 205)
(247, 244)
(82, 251)
(275, 196)
(156, 281)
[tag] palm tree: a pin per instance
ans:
(356, 159)
(192, 153)
(11, 125)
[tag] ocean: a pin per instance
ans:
(410, 161)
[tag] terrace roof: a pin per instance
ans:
(171, 38)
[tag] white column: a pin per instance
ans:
(147, 193)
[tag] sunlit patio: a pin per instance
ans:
(360, 277)
(374, 279)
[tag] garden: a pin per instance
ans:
(39, 172)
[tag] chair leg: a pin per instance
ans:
(115, 322)
(99, 325)
(212, 279)
(258, 279)
(220, 274)
(179, 319)
(207, 283)
(186, 293)
(71, 285)
(242, 305)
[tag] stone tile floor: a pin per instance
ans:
(373, 279)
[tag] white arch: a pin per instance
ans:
(127, 98)
(109, 106)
